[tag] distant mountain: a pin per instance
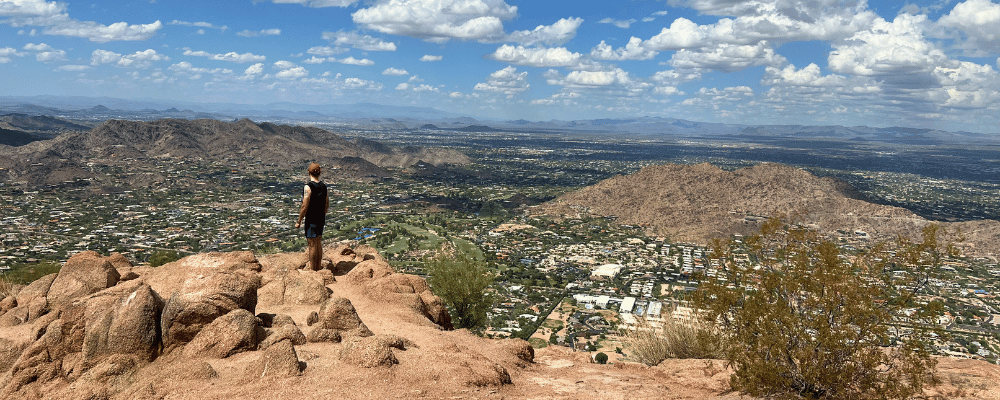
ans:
(115, 142)
(12, 137)
(699, 202)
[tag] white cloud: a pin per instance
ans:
(558, 33)
(262, 32)
(438, 20)
(889, 49)
(45, 53)
(456, 95)
(288, 70)
(506, 81)
(231, 56)
(430, 58)
(727, 57)
(675, 77)
(619, 23)
(314, 60)
(326, 51)
(54, 17)
(403, 86)
(358, 41)
(74, 68)
(315, 3)
(255, 69)
(809, 76)
(6, 53)
(198, 24)
(980, 21)
(187, 70)
(395, 72)
(535, 57)
(634, 50)
(352, 61)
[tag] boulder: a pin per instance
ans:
(235, 332)
(370, 352)
(7, 304)
(320, 334)
(122, 320)
(369, 270)
(339, 314)
(120, 263)
(288, 332)
(216, 284)
(279, 359)
(469, 367)
(30, 301)
(84, 273)
(268, 320)
(520, 349)
(9, 352)
(293, 287)
(312, 318)
(342, 259)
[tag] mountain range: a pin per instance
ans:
(64, 158)
(699, 202)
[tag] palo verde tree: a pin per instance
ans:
(797, 318)
(461, 281)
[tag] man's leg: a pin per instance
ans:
(315, 252)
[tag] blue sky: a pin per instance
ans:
(927, 63)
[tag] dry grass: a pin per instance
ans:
(7, 288)
(651, 345)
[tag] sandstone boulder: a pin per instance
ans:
(120, 263)
(469, 367)
(369, 270)
(235, 332)
(342, 259)
(371, 351)
(288, 332)
(84, 273)
(31, 302)
(279, 359)
(293, 287)
(520, 349)
(320, 334)
(216, 284)
(9, 352)
(122, 320)
(339, 314)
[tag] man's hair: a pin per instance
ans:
(314, 169)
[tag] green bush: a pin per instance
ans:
(162, 257)
(461, 282)
(805, 321)
(601, 358)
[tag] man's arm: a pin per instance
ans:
(306, 193)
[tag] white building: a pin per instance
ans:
(606, 271)
(627, 305)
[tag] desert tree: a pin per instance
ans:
(462, 282)
(799, 318)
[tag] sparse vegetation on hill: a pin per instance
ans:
(461, 281)
(807, 321)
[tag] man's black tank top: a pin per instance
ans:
(316, 213)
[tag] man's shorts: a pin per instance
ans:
(313, 230)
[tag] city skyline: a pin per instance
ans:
(929, 64)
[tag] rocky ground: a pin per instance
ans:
(236, 325)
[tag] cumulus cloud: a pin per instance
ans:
(358, 41)
(326, 51)
(535, 57)
(558, 33)
(45, 53)
(231, 56)
(198, 24)
(727, 57)
(352, 61)
(417, 88)
(809, 76)
(505, 81)
(315, 3)
(185, 69)
(6, 53)
(634, 50)
(255, 69)
(262, 32)
(438, 20)
(979, 21)
(54, 17)
(888, 49)
(74, 68)
(624, 24)
(139, 59)
(395, 72)
(430, 58)
(288, 70)
(314, 60)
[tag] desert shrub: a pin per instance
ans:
(802, 320)
(601, 358)
(163, 257)
(461, 282)
(7, 288)
(651, 345)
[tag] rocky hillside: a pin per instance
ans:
(64, 158)
(698, 202)
(235, 325)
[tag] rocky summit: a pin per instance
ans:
(240, 325)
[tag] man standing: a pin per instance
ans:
(315, 203)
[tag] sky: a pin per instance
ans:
(924, 64)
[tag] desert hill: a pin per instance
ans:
(698, 202)
(239, 325)
(114, 141)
